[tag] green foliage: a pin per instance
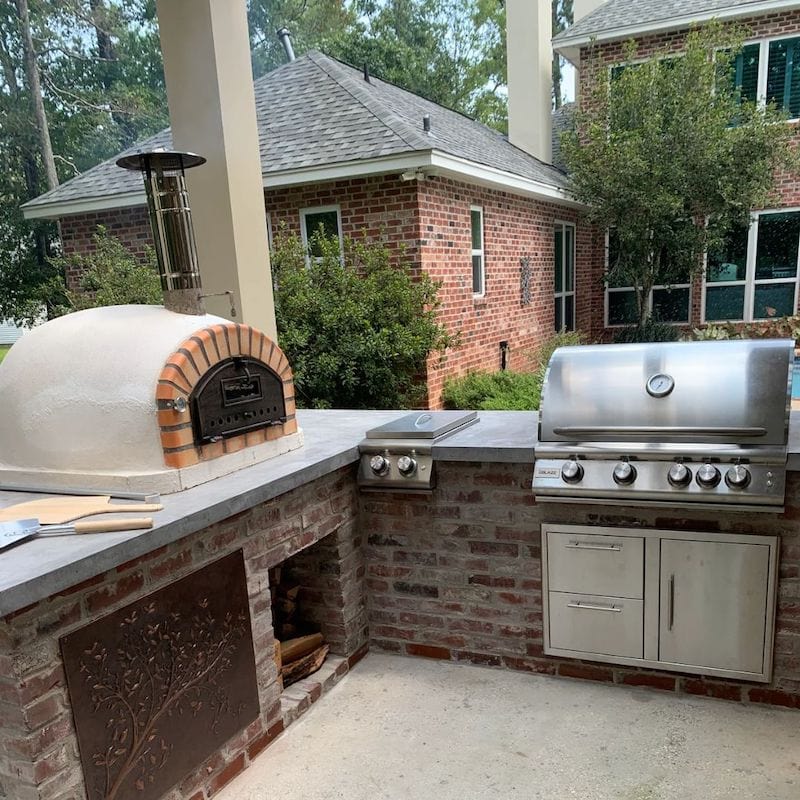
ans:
(356, 329)
(649, 330)
(779, 328)
(503, 391)
(110, 276)
(4, 351)
(668, 156)
(542, 354)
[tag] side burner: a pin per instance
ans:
(397, 456)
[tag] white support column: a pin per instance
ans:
(529, 26)
(206, 50)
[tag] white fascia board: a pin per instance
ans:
(346, 169)
(492, 178)
(66, 208)
(568, 45)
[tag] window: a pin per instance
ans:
(478, 270)
(329, 218)
(565, 276)
(779, 81)
(668, 303)
(754, 275)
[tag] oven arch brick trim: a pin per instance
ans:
(193, 358)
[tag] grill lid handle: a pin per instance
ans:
(641, 430)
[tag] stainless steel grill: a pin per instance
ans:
(689, 423)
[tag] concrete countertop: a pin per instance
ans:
(36, 569)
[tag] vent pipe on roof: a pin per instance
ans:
(286, 40)
(366, 72)
(426, 123)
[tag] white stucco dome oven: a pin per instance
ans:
(118, 398)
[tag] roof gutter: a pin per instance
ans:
(431, 162)
(569, 45)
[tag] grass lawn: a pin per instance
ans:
(4, 348)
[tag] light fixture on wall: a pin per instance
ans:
(413, 175)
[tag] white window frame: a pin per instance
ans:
(311, 210)
(750, 281)
(478, 252)
(564, 296)
(610, 290)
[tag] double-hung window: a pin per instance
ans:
(666, 302)
(770, 70)
(478, 265)
(564, 276)
(328, 219)
(755, 274)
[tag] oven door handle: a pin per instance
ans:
(576, 545)
(594, 607)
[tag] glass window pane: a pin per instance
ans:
(477, 233)
(569, 257)
(622, 308)
(477, 274)
(783, 75)
(730, 262)
(746, 66)
(776, 253)
(724, 302)
(559, 259)
(569, 312)
(773, 300)
(559, 315)
(328, 221)
(671, 305)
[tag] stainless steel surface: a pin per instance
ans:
(595, 564)
(708, 601)
(583, 623)
(145, 497)
(17, 531)
(397, 456)
(717, 599)
(728, 389)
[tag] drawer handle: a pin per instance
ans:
(575, 545)
(671, 614)
(593, 607)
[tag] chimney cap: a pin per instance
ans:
(168, 160)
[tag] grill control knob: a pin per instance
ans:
(572, 472)
(738, 477)
(624, 473)
(708, 476)
(406, 466)
(379, 465)
(679, 475)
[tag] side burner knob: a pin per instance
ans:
(406, 466)
(738, 477)
(379, 465)
(679, 476)
(708, 476)
(624, 473)
(572, 472)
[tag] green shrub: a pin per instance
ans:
(778, 328)
(503, 391)
(357, 329)
(651, 330)
(541, 355)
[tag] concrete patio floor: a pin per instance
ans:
(409, 729)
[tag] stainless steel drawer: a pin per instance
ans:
(612, 566)
(609, 626)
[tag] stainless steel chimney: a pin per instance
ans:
(171, 221)
(286, 40)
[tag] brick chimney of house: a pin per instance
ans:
(530, 81)
(581, 9)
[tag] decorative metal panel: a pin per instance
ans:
(525, 281)
(159, 685)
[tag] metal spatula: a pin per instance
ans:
(21, 529)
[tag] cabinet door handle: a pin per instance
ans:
(592, 607)
(671, 610)
(590, 546)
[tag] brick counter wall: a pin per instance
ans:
(458, 576)
(38, 746)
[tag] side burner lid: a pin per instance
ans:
(423, 425)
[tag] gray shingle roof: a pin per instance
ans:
(317, 111)
(615, 14)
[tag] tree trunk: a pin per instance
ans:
(35, 89)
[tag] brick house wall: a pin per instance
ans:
(427, 223)
(595, 62)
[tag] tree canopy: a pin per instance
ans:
(669, 157)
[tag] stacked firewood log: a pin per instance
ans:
(299, 650)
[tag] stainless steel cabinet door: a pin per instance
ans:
(713, 604)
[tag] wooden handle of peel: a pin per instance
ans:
(113, 508)
(109, 525)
